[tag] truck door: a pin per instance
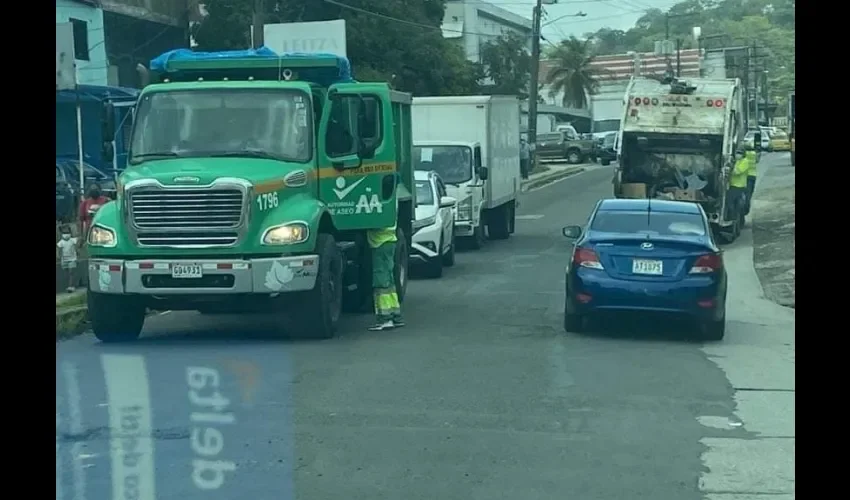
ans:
(357, 158)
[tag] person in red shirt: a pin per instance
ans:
(93, 201)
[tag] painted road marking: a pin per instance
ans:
(131, 426)
(75, 421)
(529, 217)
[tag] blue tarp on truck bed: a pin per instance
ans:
(318, 75)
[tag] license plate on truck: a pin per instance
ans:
(649, 267)
(186, 271)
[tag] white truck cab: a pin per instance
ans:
(473, 143)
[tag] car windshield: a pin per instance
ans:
(452, 163)
(660, 223)
(223, 122)
(609, 139)
(424, 194)
(549, 137)
(91, 172)
(779, 135)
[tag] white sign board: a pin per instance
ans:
(322, 36)
(66, 72)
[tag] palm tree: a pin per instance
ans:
(571, 72)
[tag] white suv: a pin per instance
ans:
(433, 230)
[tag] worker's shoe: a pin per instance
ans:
(398, 322)
(378, 327)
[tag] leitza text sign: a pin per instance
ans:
(323, 36)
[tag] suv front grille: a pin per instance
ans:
(177, 217)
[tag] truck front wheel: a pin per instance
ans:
(115, 318)
(318, 316)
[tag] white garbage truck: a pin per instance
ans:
(473, 143)
(678, 140)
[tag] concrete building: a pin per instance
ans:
(136, 31)
(613, 73)
(472, 23)
(86, 17)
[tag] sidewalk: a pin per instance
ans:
(547, 173)
(773, 222)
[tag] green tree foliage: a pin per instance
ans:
(507, 63)
(571, 72)
(724, 23)
(413, 55)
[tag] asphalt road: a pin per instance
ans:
(481, 396)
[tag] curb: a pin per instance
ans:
(71, 321)
(550, 178)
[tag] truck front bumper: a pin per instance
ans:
(217, 276)
(464, 228)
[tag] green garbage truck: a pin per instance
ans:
(252, 180)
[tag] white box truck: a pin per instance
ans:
(473, 143)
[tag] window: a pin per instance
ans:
(660, 223)
(441, 189)
(81, 39)
(555, 137)
(452, 163)
(355, 122)
(424, 193)
(224, 122)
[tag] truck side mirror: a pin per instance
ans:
(107, 153)
(108, 122)
(483, 173)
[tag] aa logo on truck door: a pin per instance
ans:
(367, 203)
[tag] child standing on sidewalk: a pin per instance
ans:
(67, 246)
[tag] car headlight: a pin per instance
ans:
(286, 234)
(100, 236)
(419, 224)
(464, 209)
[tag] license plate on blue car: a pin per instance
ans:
(649, 267)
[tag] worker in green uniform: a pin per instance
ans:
(387, 307)
(737, 197)
(752, 173)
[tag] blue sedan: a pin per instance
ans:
(646, 256)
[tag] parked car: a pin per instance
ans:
(92, 176)
(433, 244)
(564, 145)
(607, 149)
(779, 141)
(749, 140)
(67, 197)
(646, 256)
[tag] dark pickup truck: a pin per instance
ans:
(564, 145)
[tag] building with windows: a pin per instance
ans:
(86, 18)
(472, 23)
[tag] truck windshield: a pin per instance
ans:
(223, 122)
(452, 163)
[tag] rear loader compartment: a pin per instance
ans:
(685, 167)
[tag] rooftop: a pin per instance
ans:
(621, 66)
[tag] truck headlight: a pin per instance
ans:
(286, 234)
(464, 209)
(101, 236)
(419, 224)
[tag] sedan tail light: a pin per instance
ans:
(585, 257)
(708, 263)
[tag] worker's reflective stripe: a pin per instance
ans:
(378, 237)
(386, 302)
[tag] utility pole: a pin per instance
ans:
(258, 23)
(755, 85)
(535, 77)
(766, 94)
(678, 58)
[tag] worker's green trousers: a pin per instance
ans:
(387, 307)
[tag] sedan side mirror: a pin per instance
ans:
(447, 202)
(572, 232)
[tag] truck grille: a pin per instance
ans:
(183, 217)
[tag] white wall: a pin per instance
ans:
(95, 70)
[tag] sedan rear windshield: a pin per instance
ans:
(660, 223)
